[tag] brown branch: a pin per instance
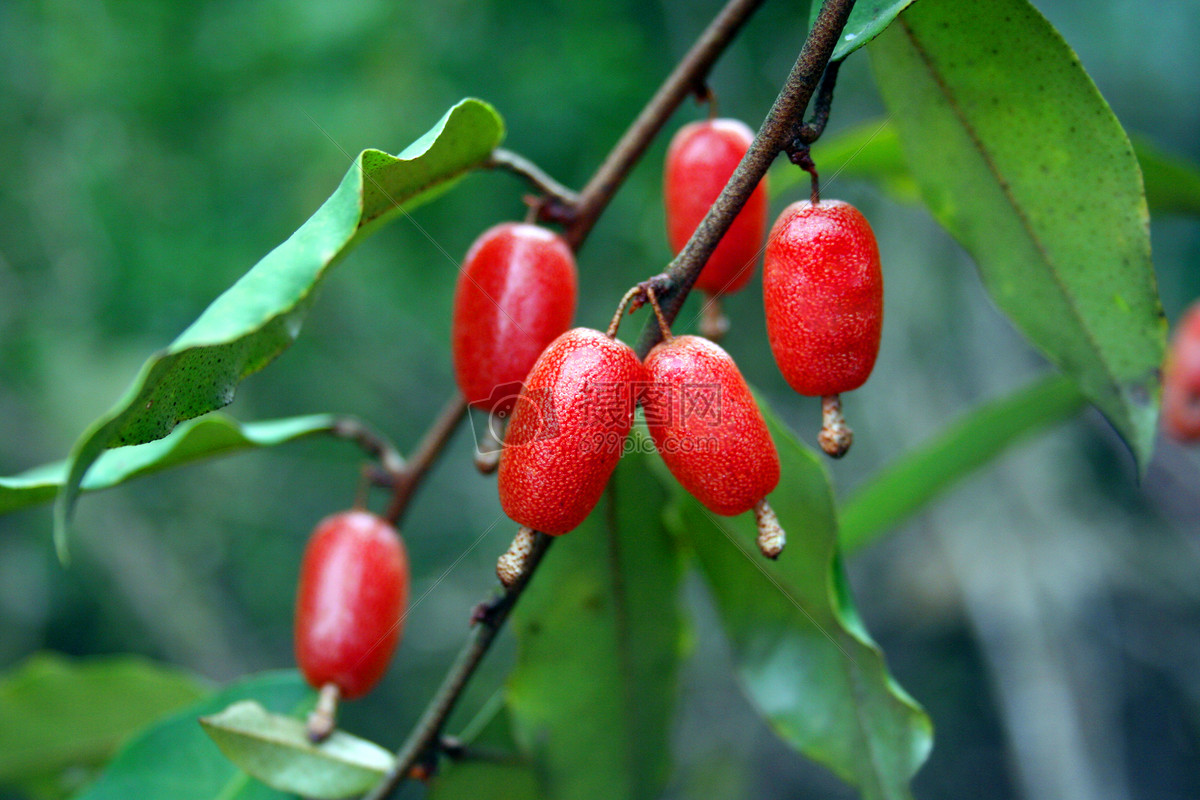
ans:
(555, 199)
(687, 77)
(407, 480)
(774, 136)
(425, 737)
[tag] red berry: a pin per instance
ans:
(516, 293)
(707, 426)
(351, 602)
(823, 294)
(568, 430)
(700, 160)
(1181, 379)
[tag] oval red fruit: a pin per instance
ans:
(707, 426)
(1181, 379)
(823, 296)
(700, 160)
(568, 430)
(351, 602)
(516, 292)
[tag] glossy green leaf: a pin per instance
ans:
(800, 650)
(867, 20)
(175, 759)
(599, 639)
(922, 474)
(276, 750)
(1023, 162)
(208, 437)
(57, 713)
(871, 151)
(261, 315)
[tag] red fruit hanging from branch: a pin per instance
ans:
(823, 295)
(516, 292)
(710, 433)
(350, 607)
(1181, 379)
(568, 431)
(701, 158)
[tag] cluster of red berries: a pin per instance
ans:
(570, 395)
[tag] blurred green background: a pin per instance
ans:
(1046, 613)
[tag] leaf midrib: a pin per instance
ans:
(1006, 191)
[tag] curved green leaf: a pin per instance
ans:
(258, 317)
(175, 759)
(276, 750)
(800, 650)
(57, 713)
(867, 20)
(599, 640)
(922, 474)
(1023, 162)
(213, 435)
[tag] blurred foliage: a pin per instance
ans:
(1045, 612)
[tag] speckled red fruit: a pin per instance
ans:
(568, 430)
(351, 602)
(700, 160)
(516, 292)
(1181, 379)
(823, 295)
(707, 426)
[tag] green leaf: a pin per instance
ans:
(57, 713)
(1172, 182)
(922, 474)
(800, 650)
(599, 639)
(276, 750)
(175, 759)
(1023, 162)
(261, 315)
(867, 20)
(213, 435)
(471, 780)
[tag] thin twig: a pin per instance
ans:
(372, 443)
(489, 618)
(773, 137)
(686, 78)
(535, 175)
(424, 456)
